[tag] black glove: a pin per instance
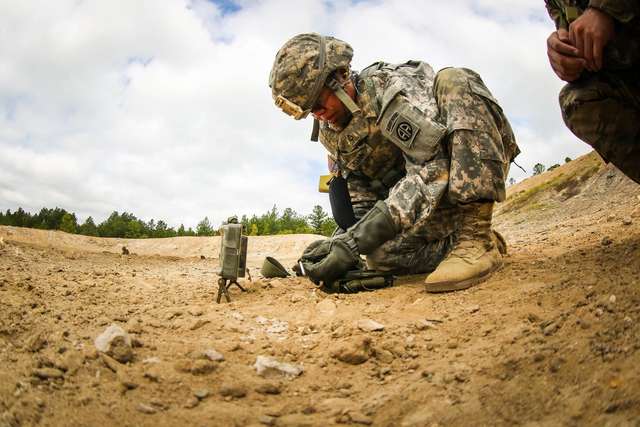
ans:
(339, 259)
(330, 259)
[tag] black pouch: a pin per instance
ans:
(341, 207)
(359, 281)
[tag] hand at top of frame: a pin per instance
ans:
(564, 58)
(590, 33)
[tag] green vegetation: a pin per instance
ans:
(538, 168)
(566, 184)
(289, 222)
(127, 225)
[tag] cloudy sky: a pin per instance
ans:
(161, 107)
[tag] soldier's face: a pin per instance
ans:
(330, 109)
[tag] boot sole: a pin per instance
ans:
(435, 288)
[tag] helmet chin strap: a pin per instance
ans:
(344, 97)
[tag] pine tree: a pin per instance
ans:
(69, 223)
(204, 227)
(317, 218)
(88, 228)
(538, 168)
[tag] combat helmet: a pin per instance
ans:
(301, 69)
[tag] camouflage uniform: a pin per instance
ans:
(603, 108)
(424, 143)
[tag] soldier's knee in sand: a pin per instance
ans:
(605, 116)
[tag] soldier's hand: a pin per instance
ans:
(590, 33)
(316, 250)
(564, 58)
(338, 261)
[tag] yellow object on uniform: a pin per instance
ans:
(323, 183)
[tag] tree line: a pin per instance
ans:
(127, 225)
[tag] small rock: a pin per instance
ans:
(473, 308)
(110, 362)
(151, 360)
(612, 299)
(269, 367)
(134, 327)
(538, 357)
(203, 257)
(359, 418)
(48, 373)
(202, 367)
(202, 393)
(627, 221)
(191, 403)
(146, 409)
(276, 283)
(428, 375)
(277, 327)
(556, 364)
(125, 251)
(461, 377)
(296, 298)
(196, 311)
(384, 356)
(268, 388)
(308, 410)
(198, 324)
(115, 342)
(369, 325)
(152, 375)
(36, 342)
(213, 355)
(354, 353)
(71, 362)
(550, 328)
(452, 344)
(126, 379)
(326, 308)
(424, 324)
(230, 390)
(267, 420)
(606, 241)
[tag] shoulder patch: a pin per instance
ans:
(411, 130)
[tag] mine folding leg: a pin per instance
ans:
(223, 288)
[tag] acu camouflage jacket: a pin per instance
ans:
(398, 128)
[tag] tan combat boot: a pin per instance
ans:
(477, 254)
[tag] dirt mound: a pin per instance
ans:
(551, 339)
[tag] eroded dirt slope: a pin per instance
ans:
(552, 339)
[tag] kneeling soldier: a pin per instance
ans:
(424, 155)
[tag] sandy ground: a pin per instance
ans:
(551, 339)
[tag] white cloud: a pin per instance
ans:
(161, 108)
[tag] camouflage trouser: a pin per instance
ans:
(420, 249)
(481, 143)
(410, 254)
(603, 110)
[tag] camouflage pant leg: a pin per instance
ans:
(603, 110)
(481, 142)
(421, 248)
(409, 254)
